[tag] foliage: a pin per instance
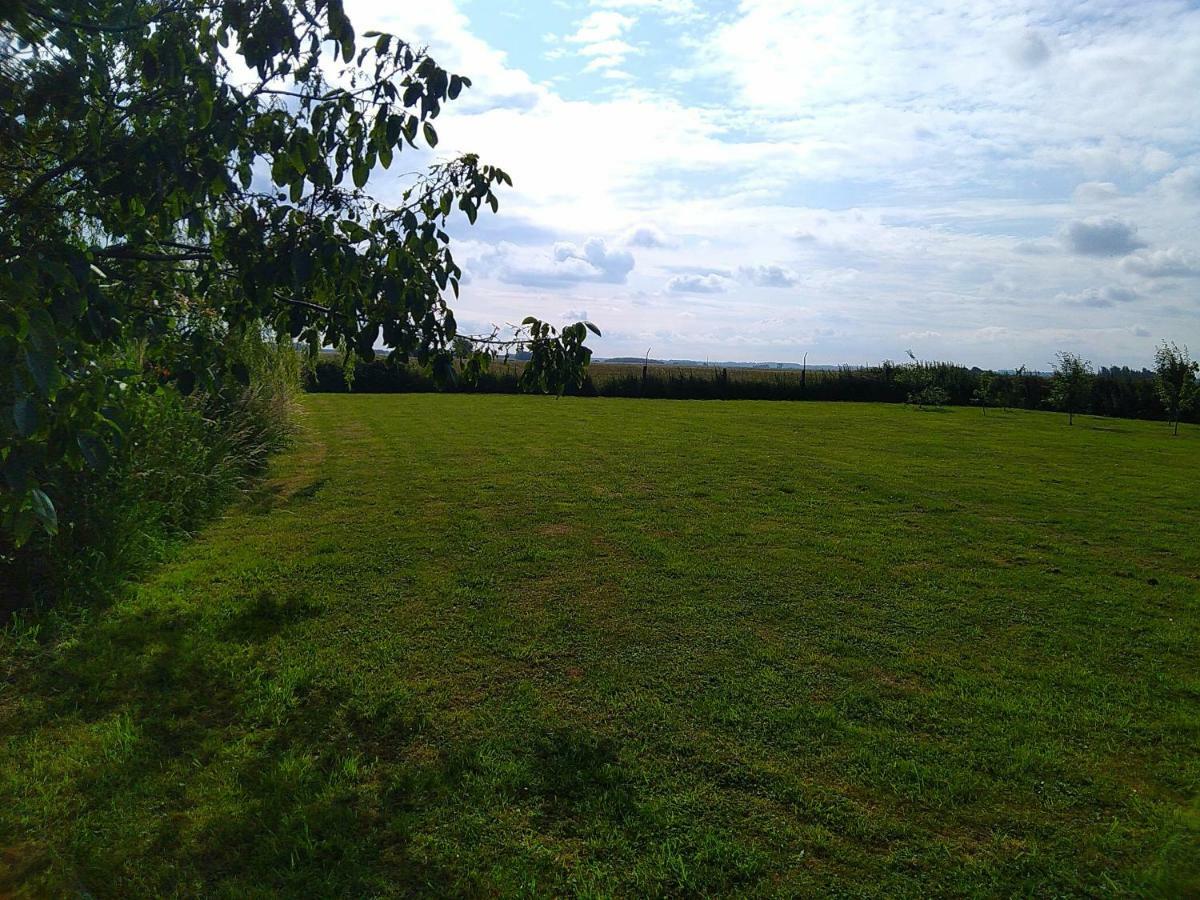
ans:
(985, 391)
(179, 174)
(1071, 384)
(828, 654)
(181, 460)
(929, 396)
(1120, 392)
(554, 365)
(1176, 380)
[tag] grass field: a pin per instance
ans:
(492, 645)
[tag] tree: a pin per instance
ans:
(462, 347)
(984, 390)
(1176, 380)
(1071, 384)
(177, 174)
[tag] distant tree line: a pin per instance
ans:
(1074, 387)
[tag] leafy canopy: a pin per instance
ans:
(1176, 381)
(177, 174)
(1071, 384)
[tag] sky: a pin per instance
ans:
(983, 182)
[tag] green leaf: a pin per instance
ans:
(25, 415)
(360, 173)
(456, 86)
(23, 523)
(354, 231)
(42, 369)
(204, 111)
(95, 454)
(592, 328)
(431, 137)
(241, 373)
(43, 508)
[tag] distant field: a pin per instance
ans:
(504, 645)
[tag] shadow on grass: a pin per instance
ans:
(239, 772)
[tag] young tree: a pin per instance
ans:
(175, 174)
(1071, 384)
(984, 390)
(1176, 382)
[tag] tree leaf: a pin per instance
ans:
(95, 454)
(42, 369)
(43, 508)
(25, 415)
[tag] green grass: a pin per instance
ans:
(509, 645)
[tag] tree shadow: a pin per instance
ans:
(244, 771)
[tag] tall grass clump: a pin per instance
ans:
(180, 460)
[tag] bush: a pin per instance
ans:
(180, 460)
(930, 396)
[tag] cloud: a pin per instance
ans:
(576, 315)
(1139, 331)
(1096, 192)
(1099, 298)
(1157, 160)
(768, 276)
(600, 37)
(1102, 237)
(675, 7)
(571, 264)
(603, 25)
(697, 284)
(895, 149)
(613, 48)
(1183, 182)
(1029, 50)
(1169, 263)
(649, 236)
(1035, 248)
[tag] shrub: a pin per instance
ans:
(179, 460)
(930, 396)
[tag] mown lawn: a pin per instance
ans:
(488, 645)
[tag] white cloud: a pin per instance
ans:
(1169, 263)
(1035, 248)
(600, 37)
(1096, 192)
(1108, 236)
(613, 48)
(1099, 298)
(1183, 182)
(601, 26)
(769, 276)
(571, 264)
(697, 284)
(899, 164)
(1029, 49)
(675, 7)
(649, 236)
